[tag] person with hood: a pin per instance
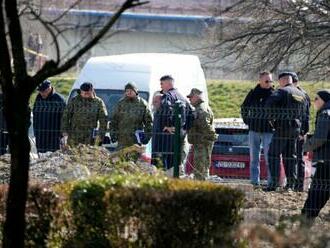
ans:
(131, 120)
(84, 114)
(319, 144)
(47, 114)
(260, 131)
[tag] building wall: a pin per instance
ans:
(154, 36)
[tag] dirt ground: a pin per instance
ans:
(272, 219)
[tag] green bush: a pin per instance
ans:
(136, 211)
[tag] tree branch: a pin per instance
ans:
(50, 68)
(5, 69)
(15, 34)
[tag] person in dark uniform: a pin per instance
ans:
(284, 108)
(319, 143)
(3, 128)
(47, 114)
(164, 141)
(303, 131)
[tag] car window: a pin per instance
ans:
(233, 137)
(111, 97)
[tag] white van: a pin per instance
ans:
(109, 74)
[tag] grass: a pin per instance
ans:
(225, 97)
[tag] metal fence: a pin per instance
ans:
(288, 169)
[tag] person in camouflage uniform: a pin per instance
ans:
(130, 115)
(201, 135)
(82, 115)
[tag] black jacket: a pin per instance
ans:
(285, 108)
(47, 115)
(305, 121)
(319, 143)
(164, 117)
(253, 107)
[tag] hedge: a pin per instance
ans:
(131, 211)
(136, 211)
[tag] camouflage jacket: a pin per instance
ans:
(202, 130)
(128, 116)
(81, 116)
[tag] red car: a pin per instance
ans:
(230, 155)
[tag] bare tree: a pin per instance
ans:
(269, 34)
(17, 86)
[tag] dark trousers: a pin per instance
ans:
(47, 141)
(319, 191)
(3, 142)
(284, 143)
(300, 164)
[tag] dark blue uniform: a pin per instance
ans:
(285, 109)
(47, 115)
(319, 143)
(163, 142)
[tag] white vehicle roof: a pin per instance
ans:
(145, 69)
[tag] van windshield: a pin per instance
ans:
(110, 97)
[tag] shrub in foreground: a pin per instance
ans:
(136, 211)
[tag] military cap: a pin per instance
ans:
(131, 86)
(324, 95)
(283, 74)
(86, 86)
(194, 91)
(294, 76)
(44, 85)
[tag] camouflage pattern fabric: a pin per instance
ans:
(202, 160)
(128, 116)
(202, 136)
(202, 130)
(81, 116)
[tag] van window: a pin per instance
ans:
(110, 97)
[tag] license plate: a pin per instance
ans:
(226, 164)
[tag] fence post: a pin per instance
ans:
(177, 138)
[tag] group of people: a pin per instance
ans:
(278, 122)
(84, 120)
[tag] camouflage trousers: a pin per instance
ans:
(202, 160)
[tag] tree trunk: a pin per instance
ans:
(19, 146)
